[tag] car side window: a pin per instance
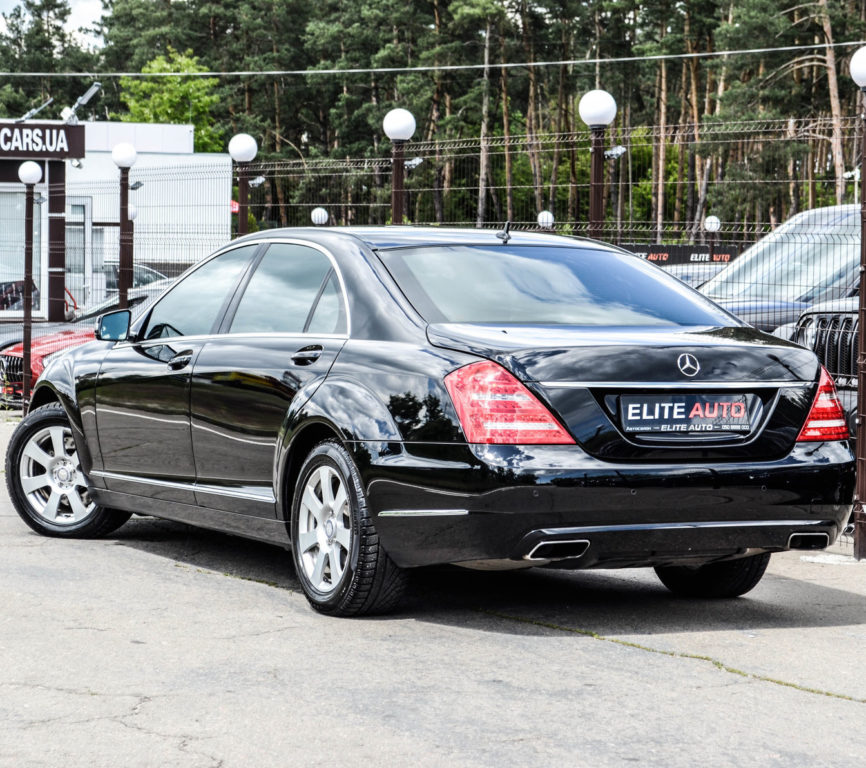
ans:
(192, 306)
(289, 282)
(329, 315)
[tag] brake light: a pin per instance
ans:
(494, 407)
(826, 420)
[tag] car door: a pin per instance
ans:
(142, 390)
(281, 336)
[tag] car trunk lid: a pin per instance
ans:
(667, 393)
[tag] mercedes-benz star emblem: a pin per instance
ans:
(688, 364)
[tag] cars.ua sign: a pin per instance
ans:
(41, 140)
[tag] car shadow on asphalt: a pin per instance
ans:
(532, 601)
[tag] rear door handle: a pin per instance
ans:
(308, 355)
(180, 360)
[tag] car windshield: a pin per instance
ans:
(544, 285)
(811, 257)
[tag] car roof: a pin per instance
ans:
(379, 238)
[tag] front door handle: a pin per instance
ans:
(180, 360)
(308, 355)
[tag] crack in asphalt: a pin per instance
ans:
(720, 665)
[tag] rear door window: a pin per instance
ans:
(293, 290)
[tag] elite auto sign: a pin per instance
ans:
(41, 141)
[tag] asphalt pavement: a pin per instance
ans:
(164, 645)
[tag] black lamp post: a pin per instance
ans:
(30, 174)
(597, 109)
(124, 156)
(399, 125)
(243, 149)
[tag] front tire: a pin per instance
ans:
(342, 567)
(730, 578)
(46, 484)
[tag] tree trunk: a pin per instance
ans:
(483, 170)
(506, 132)
(835, 105)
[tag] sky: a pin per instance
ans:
(84, 13)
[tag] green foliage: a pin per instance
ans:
(333, 117)
(174, 98)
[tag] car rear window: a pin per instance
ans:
(545, 285)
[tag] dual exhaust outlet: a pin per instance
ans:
(568, 549)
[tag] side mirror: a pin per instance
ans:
(114, 326)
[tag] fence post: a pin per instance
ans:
(858, 73)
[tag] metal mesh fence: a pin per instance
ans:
(784, 260)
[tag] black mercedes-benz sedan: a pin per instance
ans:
(378, 399)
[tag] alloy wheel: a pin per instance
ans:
(324, 529)
(51, 478)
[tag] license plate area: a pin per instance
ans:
(710, 416)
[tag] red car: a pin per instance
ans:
(42, 347)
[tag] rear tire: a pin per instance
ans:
(46, 484)
(342, 567)
(731, 578)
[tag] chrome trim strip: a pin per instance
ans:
(265, 496)
(736, 385)
(423, 512)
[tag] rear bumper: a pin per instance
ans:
(446, 504)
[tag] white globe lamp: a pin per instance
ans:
(858, 67)
(319, 216)
(124, 155)
(597, 108)
(243, 148)
(712, 224)
(545, 220)
(30, 172)
(399, 125)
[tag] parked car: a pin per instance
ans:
(50, 339)
(694, 274)
(380, 399)
(811, 258)
(831, 331)
(141, 275)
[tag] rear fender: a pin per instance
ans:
(340, 408)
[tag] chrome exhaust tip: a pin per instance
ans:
(566, 549)
(809, 541)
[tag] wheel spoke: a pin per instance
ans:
(325, 475)
(34, 452)
(336, 567)
(79, 509)
(50, 511)
(30, 484)
(343, 536)
(311, 504)
(339, 499)
(306, 541)
(57, 441)
(318, 569)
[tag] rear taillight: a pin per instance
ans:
(494, 407)
(826, 420)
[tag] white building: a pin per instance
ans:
(182, 204)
